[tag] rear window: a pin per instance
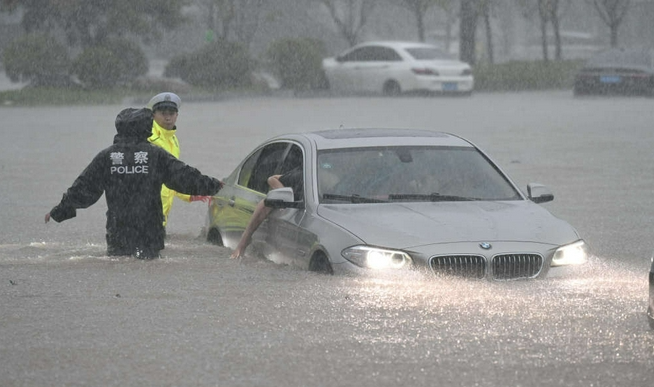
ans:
(621, 58)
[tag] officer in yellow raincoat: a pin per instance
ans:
(165, 107)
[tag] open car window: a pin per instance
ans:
(261, 165)
(273, 159)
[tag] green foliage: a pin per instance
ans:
(90, 23)
(38, 59)
(117, 61)
(298, 63)
(216, 65)
(519, 75)
(49, 96)
(133, 61)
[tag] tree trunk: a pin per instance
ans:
(421, 24)
(543, 34)
(558, 52)
(614, 35)
(489, 33)
(467, 29)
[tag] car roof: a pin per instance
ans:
(397, 44)
(374, 137)
(621, 57)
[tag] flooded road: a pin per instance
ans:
(72, 316)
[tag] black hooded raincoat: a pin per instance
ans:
(130, 173)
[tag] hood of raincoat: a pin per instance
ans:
(134, 123)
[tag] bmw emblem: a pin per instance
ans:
(485, 245)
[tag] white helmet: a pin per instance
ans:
(165, 100)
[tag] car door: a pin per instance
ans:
(285, 234)
(235, 204)
(345, 75)
(376, 68)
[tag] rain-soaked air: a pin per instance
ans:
(71, 314)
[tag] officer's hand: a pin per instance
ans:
(47, 217)
(200, 198)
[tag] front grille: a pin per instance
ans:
(469, 266)
(503, 267)
(516, 266)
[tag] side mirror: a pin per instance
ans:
(281, 198)
(538, 193)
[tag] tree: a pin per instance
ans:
(449, 7)
(37, 58)
(549, 12)
(88, 23)
(486, 11)
(350, 16)
(469, 13)
(236, 20)
(419, 9)
(612, 12)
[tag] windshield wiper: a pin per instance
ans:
(432, 197)
(352, 198)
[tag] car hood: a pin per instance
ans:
(411, 225)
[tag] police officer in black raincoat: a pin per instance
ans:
(130, 174)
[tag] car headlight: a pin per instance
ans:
(377, 258)
(572, 254)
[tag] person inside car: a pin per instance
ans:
(293, 179)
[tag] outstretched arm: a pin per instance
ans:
(259, 215)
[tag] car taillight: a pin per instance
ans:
(424, 71)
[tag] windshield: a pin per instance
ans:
(372, 175)
(426, 53)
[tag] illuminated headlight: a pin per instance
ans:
(572, 254)
(376, 258)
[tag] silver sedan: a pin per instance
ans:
(379, 200)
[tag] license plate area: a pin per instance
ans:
(450, 86)
(610, 79)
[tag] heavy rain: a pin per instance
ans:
(71, 315)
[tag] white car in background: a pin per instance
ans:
(392, 68)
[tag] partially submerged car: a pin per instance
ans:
(617, 71)
(394, 199)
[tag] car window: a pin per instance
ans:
(429, 53)
(293, 159)
(261, 165)
(380, 173)
(383, 54)
(246, 170)
(372, 54)
(292, 171)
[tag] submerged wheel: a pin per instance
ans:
(392, 88)
(320, 263)
(214, 237)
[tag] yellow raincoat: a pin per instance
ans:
(167, 140)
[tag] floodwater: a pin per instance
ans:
(72, 316)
